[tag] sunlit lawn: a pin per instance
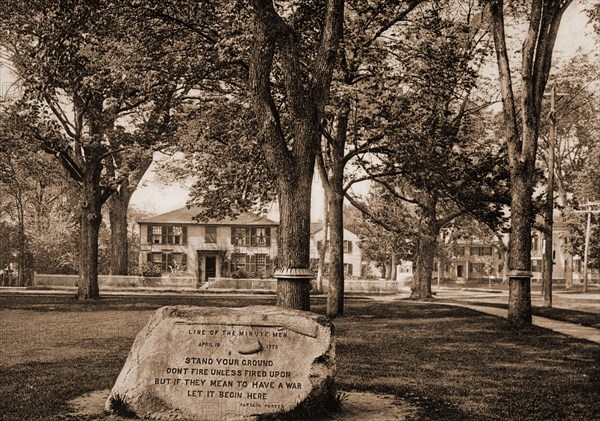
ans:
(451, 363)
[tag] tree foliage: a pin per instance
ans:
(90, 98)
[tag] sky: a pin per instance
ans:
(155, 197)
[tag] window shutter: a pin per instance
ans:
(350, 248)
(248, 240)
(252, 267)
(268, 263)
(319, 245)
(350, 268)
(184, 262)
(252, 237)
(164, 236)
(268, 235)
(149, 257)
(149, 234)
(184, 235)
(233, 239)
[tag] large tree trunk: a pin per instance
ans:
(421, 286)
(427, 245)
(20, 281)
(569, 271)
(336, 164)
(294, 242)
(547, 270)
(119, 244)
(118, 206)
(323, 249)
(335, 293)
(519, 284)
(91, 218)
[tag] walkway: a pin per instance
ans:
(582, 302)
(577, 331)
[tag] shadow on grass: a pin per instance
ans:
(40, 391)
(450, 362)
(457, 364)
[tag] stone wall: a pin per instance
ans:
(46, 280)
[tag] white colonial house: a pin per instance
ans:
(352, 254)
(178, 244)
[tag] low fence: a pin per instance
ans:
(183, 282)
(117, 281)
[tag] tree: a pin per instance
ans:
(306, 79)
(522, 113)
(439, 156)
(575, 134)
(284, 60)
(350, 127)
(386, 231)
(15, 184)
(77, 65)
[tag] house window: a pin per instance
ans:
(167, 234)
(255, 236)
(536, 266)
(175, 235)
(261, 236)
(261, 263)
(238, 262)
(239, 236)
(460, 251)
(157, 237)
(347, 246)
(481, 251)
(535, 243)
(169, 262)
(210, 234)
(157, 260)
(348, 268)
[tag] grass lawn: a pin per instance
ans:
(451, 363)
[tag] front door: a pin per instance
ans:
(210, 268)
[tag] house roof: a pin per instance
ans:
(186, 216)
(315, 227)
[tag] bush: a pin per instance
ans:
(150, 271)
(239, 274)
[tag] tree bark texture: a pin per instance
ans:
(323, 248)
(91, 218)
(119, 242)
(335, 294)
(291, 165)
(547, 270)
(294, 242)
(421, 286)
(519, 302)
(118, 217)
(426, 248)
(333, 170)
